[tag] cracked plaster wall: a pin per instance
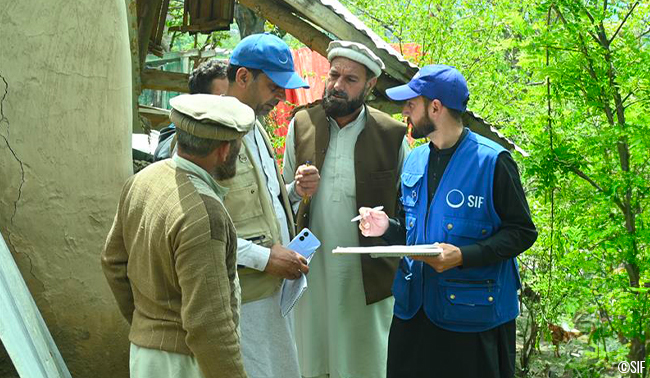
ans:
(65, 151)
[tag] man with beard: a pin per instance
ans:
(342, 320)
(261, 67)
(170, 257)
(455, 312)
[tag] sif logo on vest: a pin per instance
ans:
(456, 199)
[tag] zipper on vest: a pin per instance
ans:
(470, 282)
(489, 283)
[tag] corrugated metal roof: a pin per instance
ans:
(351, 19)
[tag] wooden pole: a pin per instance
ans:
(284, 18)
(132, 20)
(150, 10)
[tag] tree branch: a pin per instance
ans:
(644, 34)
(628, 96)
(591, 182)
(623, 22)
(584, 176)
(636, 102)
(593, 22)
(563, 48)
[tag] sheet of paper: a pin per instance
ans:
(305, 243)
(292, 290)
(392, 250)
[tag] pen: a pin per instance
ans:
(305, 199)
(358, 217)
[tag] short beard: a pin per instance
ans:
(228, 169)
(336, 108)
(425, 128)
(261, 112)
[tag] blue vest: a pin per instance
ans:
(461, 213)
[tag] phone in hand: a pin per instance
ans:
(305, 243)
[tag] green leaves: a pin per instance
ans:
(584, 199)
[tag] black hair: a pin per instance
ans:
(232, 72)
(455, 114)
(369, 73)
(201, 78)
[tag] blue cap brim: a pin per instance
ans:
(401, 93)
(287, 80)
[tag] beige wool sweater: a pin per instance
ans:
(170, 260)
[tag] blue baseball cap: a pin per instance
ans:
(270, 54)
(435, 82)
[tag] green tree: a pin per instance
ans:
(569, 81)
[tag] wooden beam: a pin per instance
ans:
(160, 28)
(165, 81)
(148, 12)
(158, 117)
(212, 25)
(132, 20)
(282, 16)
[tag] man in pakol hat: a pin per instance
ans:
(261, 68)
(170, 257)
(208, 78)
(343, 319)
(454, 313)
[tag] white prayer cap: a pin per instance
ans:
(356, 52)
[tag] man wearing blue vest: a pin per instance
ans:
(454, 313)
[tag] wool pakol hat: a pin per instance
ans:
(435, 82)
(211, 117)
(356, 52)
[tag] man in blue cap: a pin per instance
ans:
(454, 313)
(260, 69)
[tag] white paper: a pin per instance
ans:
(393, 250)
(292, 289)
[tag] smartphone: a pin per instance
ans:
(305, 243)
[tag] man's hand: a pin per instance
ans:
(286, 263)
(373, 222)
(450, 257)
(306, 179)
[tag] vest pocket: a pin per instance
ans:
(246, 202)
(469, 301)
(461, 232)
(410, 189)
